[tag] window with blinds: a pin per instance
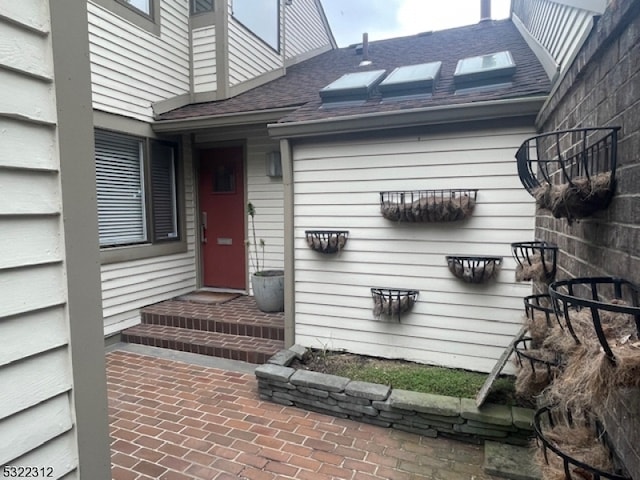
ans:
(163, 191)
(120, 189)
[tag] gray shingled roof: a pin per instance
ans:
(302, 82)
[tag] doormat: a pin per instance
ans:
(210, 298)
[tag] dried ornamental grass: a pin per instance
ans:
(579, 443)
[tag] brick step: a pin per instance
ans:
(238, 317)
(235, 347)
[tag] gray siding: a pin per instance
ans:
(36, 420)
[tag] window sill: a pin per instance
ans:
(140, 252)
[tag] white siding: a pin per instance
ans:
(304, 28)
(204, 59)
(266, 193)
(560, 29)
(36, 420)
(337, 185)
(129, 286)
(249, 57)
(132, 68)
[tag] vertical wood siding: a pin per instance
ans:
(129, 286)
(204, 59)
(560, 29)
(132, 68)
(454, 324)
(36, 420)
(304, 29)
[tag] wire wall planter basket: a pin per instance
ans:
(326, 241)
(572, 449)
(428, 205)
(540, 304)
(392, 302)
(541, 320)
(474, 269)
(570, 172)
(537, 367)
(536, 260)
(600, 312)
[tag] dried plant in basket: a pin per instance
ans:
(590, 376)
(578, 199)
(383, 305)
(539, 326)
(474, 269)
(430, 207)
(532, 271)
(578, 442)
(327, 243)
(533, 376)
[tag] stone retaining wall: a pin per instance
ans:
(420, 413)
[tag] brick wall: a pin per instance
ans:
(602, 88)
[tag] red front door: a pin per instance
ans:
(222, 217)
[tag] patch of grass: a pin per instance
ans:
(427, 379)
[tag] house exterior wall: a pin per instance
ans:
(266, 193)
(204, 59)
(131, 68)
(559, 29)
(337, 185)
(249, 57)
(130, 285)
(602, 88)
(47, 411)
(304, 29)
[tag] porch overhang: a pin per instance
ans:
(188, 125)
(465, 112)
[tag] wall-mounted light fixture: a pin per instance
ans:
(274, 164)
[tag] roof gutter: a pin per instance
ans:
(186, 125)
(506, 108)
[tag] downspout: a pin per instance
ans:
(289, 245)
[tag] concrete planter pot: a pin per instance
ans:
(268, 290)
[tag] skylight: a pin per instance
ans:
(352, 86)
(411, 80)
(494, 68)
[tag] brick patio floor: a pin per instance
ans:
(173, 420)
